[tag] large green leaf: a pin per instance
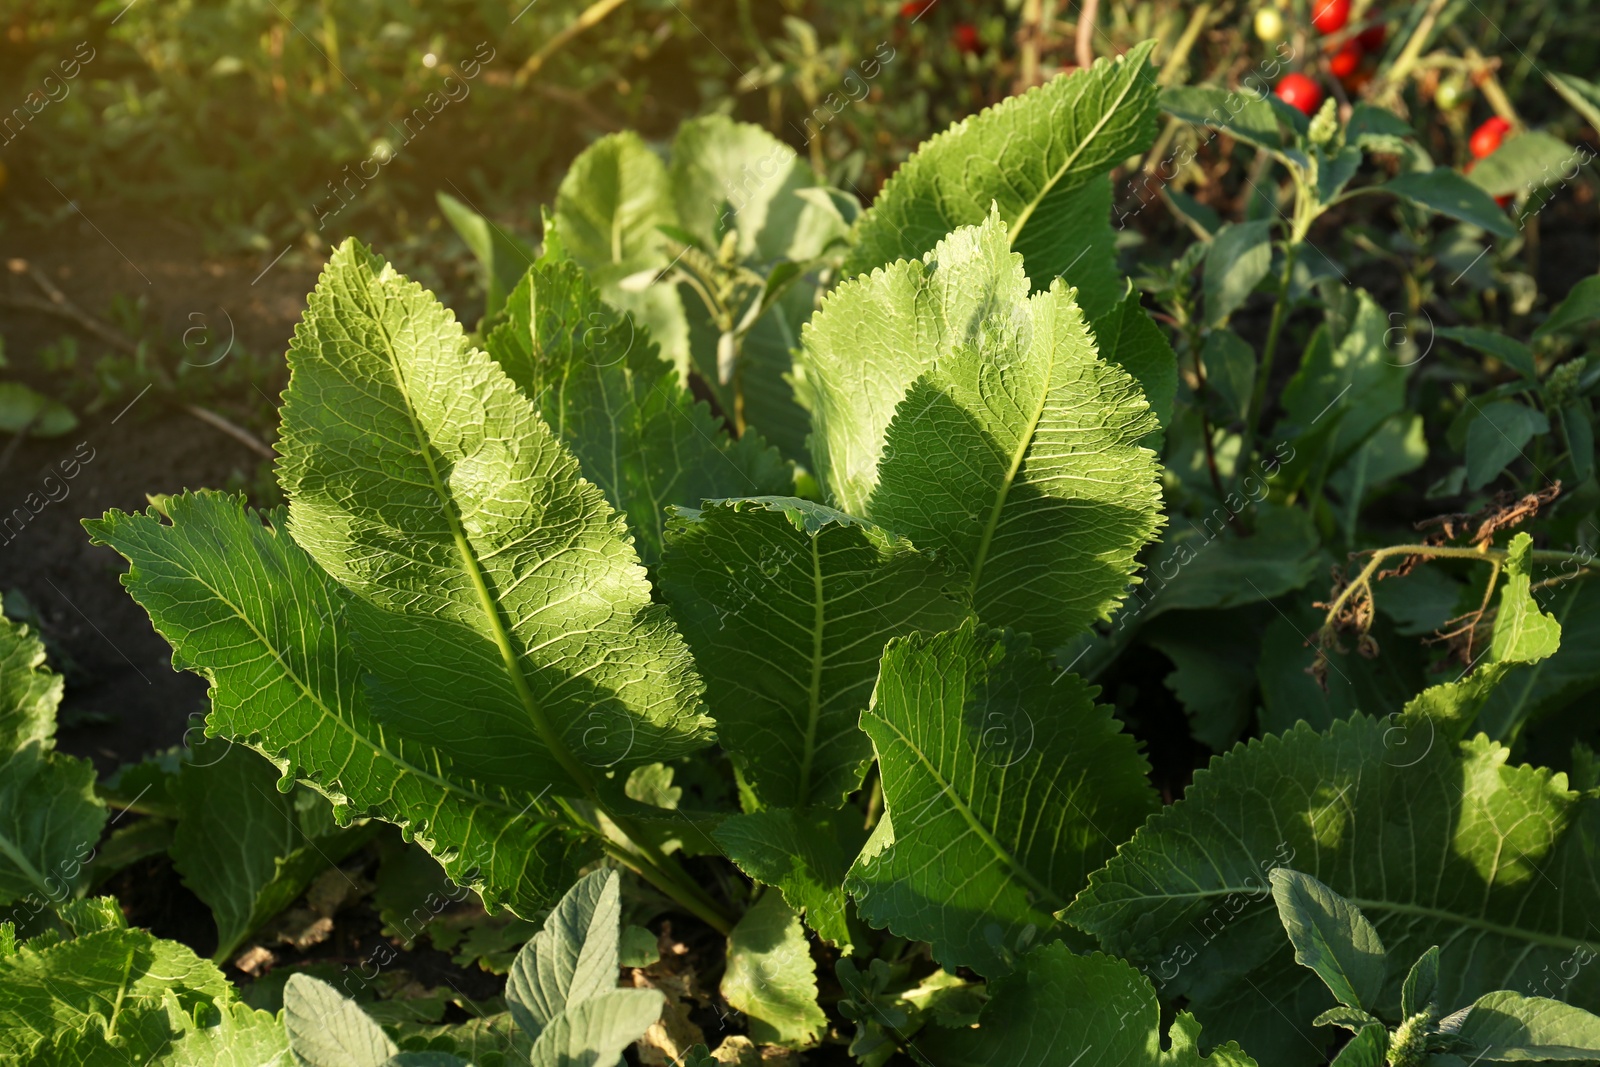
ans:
(573, 957)
(805, 854)
(328, 1029)
(1331, 937)
(787, 605)
(606, 215)
(598, 381)
(116, 995)
(955, 409)
(763, 186)
(595, 1033)
(29, 691)
(1041, 160)
(50, 818)
(245, 607)
(1437, 843)
(494, 581)
(1061, 1008)
(771, 977)
(1004, 785)
(243, 846)
(1507, 1027)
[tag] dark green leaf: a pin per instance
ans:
(1450, 193)
(1532, 159)
(771, 977)
(787, 606)
(243, 846)
(1330, 936)
(1004, 785)
(1421, 987)
(1497, 437)
(1508, 350)
(1244, 115)
(1581, 305)
(501, 257)
(599, 383)
(1239, 258)
(1059, 1008)
(806, 855)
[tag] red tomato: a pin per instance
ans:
(914, 8)
(1372, 37)
(965, 37)
(1300, 93)
(1346, 61)
(1486, 138)
(1329, 16)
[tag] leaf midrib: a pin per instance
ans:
(814, 692)
(977, 826)
(1024, 441)
(13, 852)
(1022, 219)
(486, 601)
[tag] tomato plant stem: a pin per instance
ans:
(1280, 310)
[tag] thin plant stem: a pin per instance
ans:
(591, 15)
(1280, 310)
(697, 903)
(1494, 556)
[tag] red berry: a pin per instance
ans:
(1486, 138)
(1300, 93)
(1346, 61)
(1372, 37)
(965, 37)
(913, 9)
(1329, 16)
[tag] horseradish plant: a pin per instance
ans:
(522, 580)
